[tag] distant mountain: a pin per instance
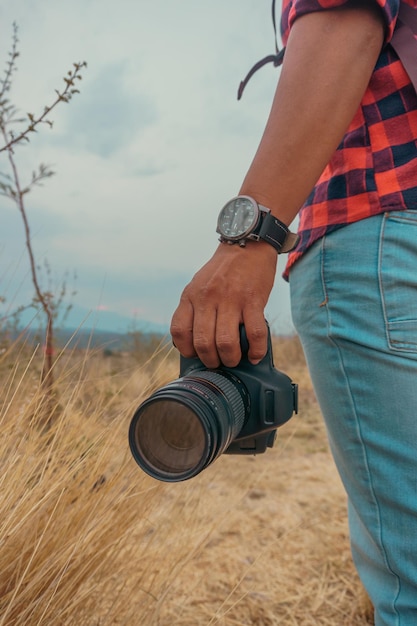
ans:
(87, 320)
(106, 320)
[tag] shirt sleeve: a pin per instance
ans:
(296, 8)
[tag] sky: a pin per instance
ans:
(145, 156)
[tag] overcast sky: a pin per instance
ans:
(146, 155)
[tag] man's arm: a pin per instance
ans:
(328, 63)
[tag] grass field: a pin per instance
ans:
(87, 539)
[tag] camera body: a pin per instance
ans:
(185, 425)
(270, 396)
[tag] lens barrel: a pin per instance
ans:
(183, 427)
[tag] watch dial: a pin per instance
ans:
(237, 218)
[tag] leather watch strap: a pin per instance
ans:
(277, 234)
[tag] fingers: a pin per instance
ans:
(214, 341)
(182, 327)
(257, 334)
(229, 290)
(193, 330)
(227, 336)
(206, 325)
(205, 343)
(215, 336)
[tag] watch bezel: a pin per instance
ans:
(245, 234)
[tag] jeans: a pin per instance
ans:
(354, 306)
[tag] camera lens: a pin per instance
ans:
(184, 426)
(170, 436)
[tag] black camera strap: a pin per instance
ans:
(276, 58)
(403, 42)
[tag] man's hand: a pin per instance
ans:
(232, 288)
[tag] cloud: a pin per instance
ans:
(109, 116)
(148, 152)
(155, 295)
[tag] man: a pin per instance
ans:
(340, 140)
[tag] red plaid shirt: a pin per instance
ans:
(374, 168)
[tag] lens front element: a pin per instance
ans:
(183, 427)
(170, 437)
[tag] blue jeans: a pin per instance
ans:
(354, 305)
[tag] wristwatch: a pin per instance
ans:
(242, 219)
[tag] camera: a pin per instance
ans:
(184, 426)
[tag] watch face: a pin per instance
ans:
(237, 218)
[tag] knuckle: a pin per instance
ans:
(177, 333)
(206, 352)
(256, 333)
(187, 292)
(257, 338)
(182, 338)
(226, 344)
(205, 294)
(202, 344)
(229, 350)
(177, 328)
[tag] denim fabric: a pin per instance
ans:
(354, 305)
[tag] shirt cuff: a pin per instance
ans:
(389, 10)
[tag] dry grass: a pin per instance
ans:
(87, 539)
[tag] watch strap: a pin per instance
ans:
(276, 233)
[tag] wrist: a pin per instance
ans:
(258, 254)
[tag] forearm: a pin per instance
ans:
(328, 62)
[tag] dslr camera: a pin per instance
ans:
(184, 426)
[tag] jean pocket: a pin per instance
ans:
(398, 279)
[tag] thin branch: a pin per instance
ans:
(64, 96)
(18, 197)
(11, 187)
(11, 64)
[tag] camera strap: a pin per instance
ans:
(276, 58)
(403, 41)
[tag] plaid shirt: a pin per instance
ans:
(374, 168)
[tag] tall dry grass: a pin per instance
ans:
(87, 539)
